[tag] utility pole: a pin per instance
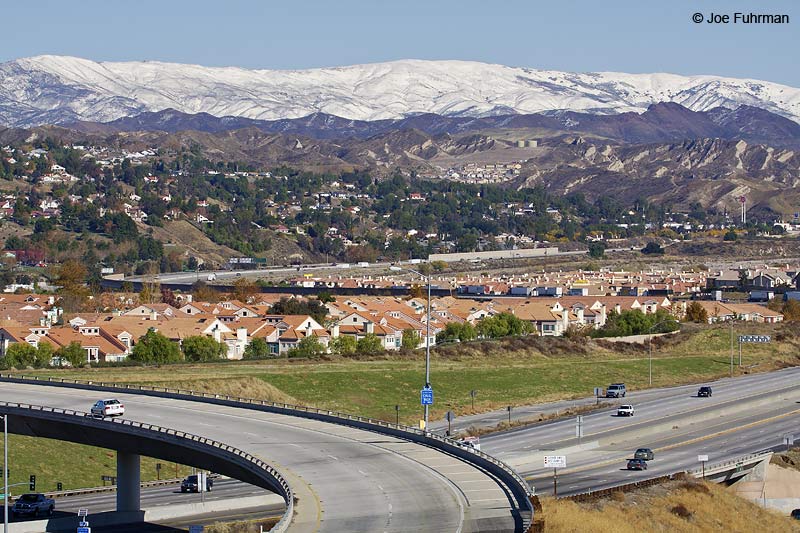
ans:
(731, 346)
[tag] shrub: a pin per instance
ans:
(368, 344)
(153, 347)
(257, 349)
(203, 348)
(72, 353)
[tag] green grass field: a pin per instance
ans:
(510, 372)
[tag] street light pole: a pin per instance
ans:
(5, 473)
(428, 350)
(427, 334)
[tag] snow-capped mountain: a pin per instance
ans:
(58, 90)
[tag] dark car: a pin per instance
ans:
(190, 484)
(645, 454)
(795, 514)
(704, 392)
(637, 464)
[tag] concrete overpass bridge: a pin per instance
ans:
(335, 472)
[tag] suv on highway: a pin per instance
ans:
(637, 464)
(795, 514)
(190, 484)
(616, 390)
(625, 410)
(704, 392)
(110, 407)
(645, 454)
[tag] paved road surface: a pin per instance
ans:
(744, 415)
(346, 479)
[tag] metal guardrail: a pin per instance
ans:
(594, 494)
(502, 471)
(254, 462)
(739, 461)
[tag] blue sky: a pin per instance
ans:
(572, 35)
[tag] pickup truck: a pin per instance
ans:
(33, 505)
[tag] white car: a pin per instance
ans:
(625, 410)
(110, 407)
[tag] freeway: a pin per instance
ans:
(744, 415)
(345, 479)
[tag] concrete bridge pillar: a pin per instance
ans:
(128, 482)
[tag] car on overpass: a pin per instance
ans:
(109, 407)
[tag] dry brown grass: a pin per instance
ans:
(788, 459)
(502, 426)
(242, 387)
(255, 526)
(677, 506)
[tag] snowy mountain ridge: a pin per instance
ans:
(60, 89)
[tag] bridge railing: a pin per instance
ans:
(520, 488)
(739, 461)
(254, 462)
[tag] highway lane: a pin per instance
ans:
(607, 468)
(725, 389)
(356, 480)
(152, 497)
(743, 416)
(652, 408)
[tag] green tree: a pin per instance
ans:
(597, 250)
(257, 349)
(44, 354)
(308, 347)
(730, 235)
(369, 344)
(653, 248)
(503, 325)
(411, 339)
(695, 312)
(20, 355)
(343, 345)
(635, 322)
(153, 347)
(201, 348)
(73, 353)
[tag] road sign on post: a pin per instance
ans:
(426, 396)
(32, 483)
(555, 462)
(703, 459)
(449, 416)
(579, 427)
(597, 392)
(788, 440)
